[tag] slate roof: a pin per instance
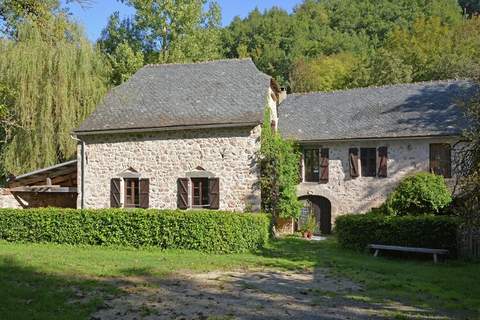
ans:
(405, 110)
(172, 95)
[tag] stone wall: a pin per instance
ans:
(163, 157)
(347, 195)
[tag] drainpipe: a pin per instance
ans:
(82, 166)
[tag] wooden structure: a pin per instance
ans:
(469, 242)
(435, 252)
(55, 186)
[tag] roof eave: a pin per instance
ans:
(167, 128)
(382, 138)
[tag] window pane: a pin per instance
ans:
(312, 165)
(368, 158)
(200, 192)
(132, 194)
(440, 159)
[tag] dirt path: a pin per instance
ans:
(257, 294)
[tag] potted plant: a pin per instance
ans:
(309, 227)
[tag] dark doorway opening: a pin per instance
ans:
(321, 208)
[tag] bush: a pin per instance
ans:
(423, 193)
(356, 231)
(211, 231)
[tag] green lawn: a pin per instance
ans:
(45, 281)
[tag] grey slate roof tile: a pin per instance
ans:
(405, 110)
(216, 92)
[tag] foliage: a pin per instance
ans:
(468, 165)
(212, 231)
(15, 12)
(173, 31)
(318, 31)
(437, 51)
(420, 194)
(279, 160)
(125, 62)
(325, 73)
(310, 225)
(51, 79)
(356, 231)
(179, 30)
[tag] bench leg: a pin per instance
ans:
(376, 253)
(435, 259)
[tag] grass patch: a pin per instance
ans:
(43, 281)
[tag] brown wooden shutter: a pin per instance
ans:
(353, 159)
(383, 162)
(144, 193)
(115, 193)
(182, 193)
(324, 161)
(214, 190)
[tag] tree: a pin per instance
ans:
(322, 74)
(51, 78)
(15, 12)
(121, 31)
(468, 167)
(178, 30)
(279, 161)
(125, 62)
(437, 51)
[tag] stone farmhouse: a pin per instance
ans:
(187, 136)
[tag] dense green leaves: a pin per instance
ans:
(338, 44)
(51, 78)
(279, 161)
(211, 231)
(356, 231)
(423, 193)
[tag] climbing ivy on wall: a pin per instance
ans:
(279, 163)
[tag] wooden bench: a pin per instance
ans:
(435, 252)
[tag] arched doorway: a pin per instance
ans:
(321, 208)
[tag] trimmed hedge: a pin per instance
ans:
(211, 231)
(356, 231)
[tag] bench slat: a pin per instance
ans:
(407, 249)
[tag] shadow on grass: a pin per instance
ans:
(26, 293)
(451, 287)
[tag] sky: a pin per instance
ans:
(95, 17)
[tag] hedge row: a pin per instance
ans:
(212, 231)
(356, 231)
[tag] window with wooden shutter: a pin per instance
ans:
(115, 193)
(353, 160)
(368, 160)
(132, 193)
(182, 193)
(383, 162)
(144, 193)
(214, 186)
(312, 165)
(324, 161)
(441, 159)
(200, 193)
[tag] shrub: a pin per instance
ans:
(211, 231)
(423, 193)
(356, 231)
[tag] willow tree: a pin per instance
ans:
(51, 79)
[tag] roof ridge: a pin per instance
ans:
(405, 84)
(153, 65)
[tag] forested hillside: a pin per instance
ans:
(51, 76)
